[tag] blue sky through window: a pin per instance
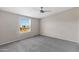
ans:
(24, 21)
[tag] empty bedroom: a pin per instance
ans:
(39, 29)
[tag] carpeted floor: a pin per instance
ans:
(40, 44)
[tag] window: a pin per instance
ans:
(24, 24)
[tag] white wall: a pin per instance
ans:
(63, 26)
(77, 12)
(9, 28)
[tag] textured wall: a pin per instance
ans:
(9, 28)
(63, 25)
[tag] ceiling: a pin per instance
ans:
(35, 11)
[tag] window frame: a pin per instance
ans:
(30, 21)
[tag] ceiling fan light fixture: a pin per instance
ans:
(42, 10)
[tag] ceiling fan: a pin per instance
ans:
(42, 10)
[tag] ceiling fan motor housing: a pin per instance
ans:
(42, 11)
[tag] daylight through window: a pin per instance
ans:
(25, 24)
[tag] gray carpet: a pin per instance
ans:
(40, 44)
